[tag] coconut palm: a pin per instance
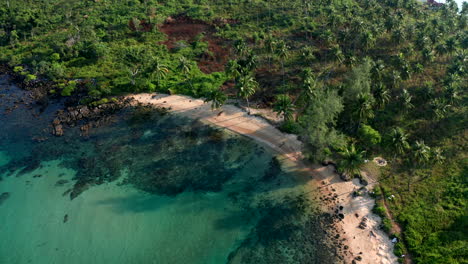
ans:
(336, 53)
(269, 47)
(351, 160)
(377, 70)
(437, 155)
(381, 95)
(282, 52)
(246, 86)
(216, 97)
(363, 108)
(421, 153)
(159, 70)
(233, 69)
(185, 67)
(440, 108)
(284, 106)
(398, 141)
(406, 99)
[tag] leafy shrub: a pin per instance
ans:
(379, 210)
(100, 102)
(399, 249)
(55, 57)
(290, 127)
(68, 88)
(18, 69)
(369, 136)
(386, 225)
(30, 77)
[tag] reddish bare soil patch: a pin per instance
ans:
(183, 28)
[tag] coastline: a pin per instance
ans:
(369, 245)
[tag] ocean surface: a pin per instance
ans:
(146, 187)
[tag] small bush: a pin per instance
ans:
(290, 127)
(100, 102)
(399, 249)
(18, 69)
(68, 88)
(30, 77)
(386, 225)
(379, 210)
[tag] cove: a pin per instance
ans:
(147, 187)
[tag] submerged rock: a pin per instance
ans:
(61, 182)
(4, 196)
(79, 187)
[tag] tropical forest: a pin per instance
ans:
(233, 131)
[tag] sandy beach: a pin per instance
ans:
(369, 245)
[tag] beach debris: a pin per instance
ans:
(394, 240)
(4, 196)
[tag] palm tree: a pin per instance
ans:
(451, 45)
(185, 68)
(437, 155)
(282, 51)
(381, 95)
(351, 160)
(336, 53)
(216, 97)
(241, 47)
(440, 108)
(398, 141)
(232, 69)
(363, 108)
(284, 106)
(159, 70)
(420, 155)
(406, 99)
(246, 86)
(269, 47)
(377, 70)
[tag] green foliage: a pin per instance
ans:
(284, 106)
(351, 160)
(369, 136)
(67, 88)
(30, 77)
(290, 127)
(318, 123)
(368, 64)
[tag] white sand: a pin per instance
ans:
(374, 244)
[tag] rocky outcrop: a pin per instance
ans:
(87, 116)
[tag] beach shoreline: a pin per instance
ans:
(369, 245)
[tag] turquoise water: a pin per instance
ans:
(146, 187)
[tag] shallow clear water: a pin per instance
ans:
(146, 187)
